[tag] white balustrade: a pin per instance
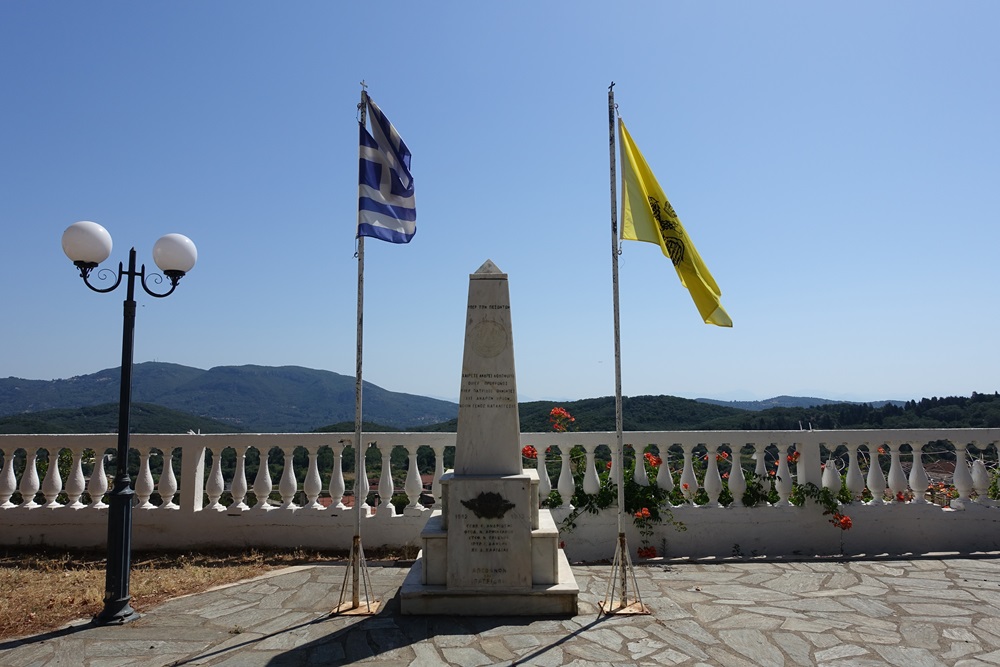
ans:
(82, 481)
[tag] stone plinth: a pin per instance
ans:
(489, 550)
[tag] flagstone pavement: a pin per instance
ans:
(909, 613)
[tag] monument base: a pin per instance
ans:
(558, 599)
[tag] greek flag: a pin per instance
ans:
(386, 207)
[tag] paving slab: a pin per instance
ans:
(909, 613)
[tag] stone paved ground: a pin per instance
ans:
(908, 613)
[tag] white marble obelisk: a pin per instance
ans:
(490, 549)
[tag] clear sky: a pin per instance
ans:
(837, 165)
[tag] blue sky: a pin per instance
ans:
(837, 166)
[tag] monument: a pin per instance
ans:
(489, 550)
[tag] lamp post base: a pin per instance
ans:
(117, 612)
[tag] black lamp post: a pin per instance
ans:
(88, 244)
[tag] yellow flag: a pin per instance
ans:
(648, 216)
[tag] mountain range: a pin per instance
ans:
(263, 399)
(289, 399)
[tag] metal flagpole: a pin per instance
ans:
(358, 569)
(623, 574)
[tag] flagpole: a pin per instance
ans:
(622, 571)
(358, 569)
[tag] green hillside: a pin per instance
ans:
(252, 398)
(145, 418)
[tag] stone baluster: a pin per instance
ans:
(664, 479)
(963, 478)
(760, 470)
(876, 478)
(897, 479)
(239, 487)
(313, 485)
(544, 483)
(168, 481)
(29, 481)
(981, 482)
(689, 483)
(288, 485)
(854, 481)
(52, 484)
(613, 470)
(8, 482)
(262, 484)
(361, 486)
(386, 487)
(591, 482)
(216, 484)
(783, 479)
(414, 486)
(639, 475)
(918, 476)
(438, 471)
(144, 480)
(76, 484)
(567, 486)
(98, 484)
(831, 474)
(713, 480)
(737, 480)
(337, 486)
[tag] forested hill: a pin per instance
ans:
(145, 418)
(268, 399)
(670, 413)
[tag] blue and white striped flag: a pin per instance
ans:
(386, 207)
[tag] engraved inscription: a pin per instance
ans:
(488, 390)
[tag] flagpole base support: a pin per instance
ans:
(361, 602)
(619, 600)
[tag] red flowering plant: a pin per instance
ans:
(560, 419)
(648, 505)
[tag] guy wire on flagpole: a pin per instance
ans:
(622, 571)
(358, 569)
